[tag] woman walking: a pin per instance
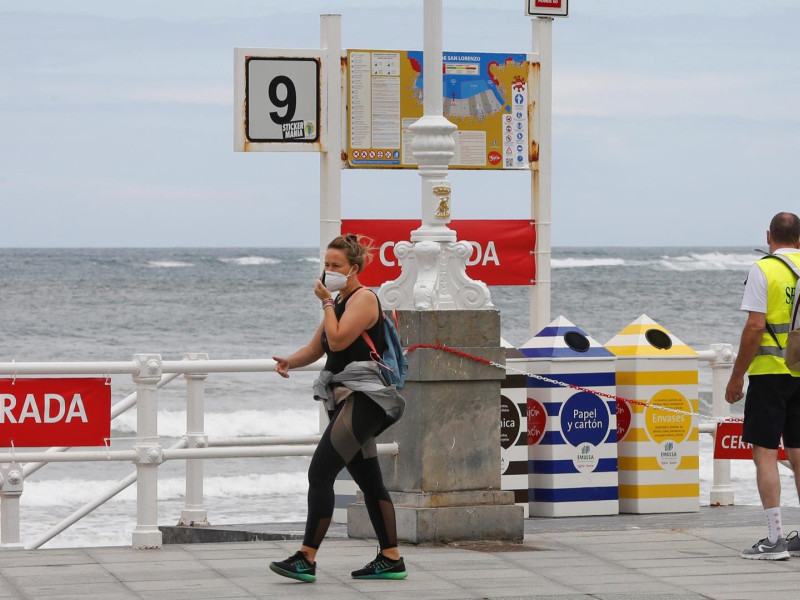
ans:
(360, 406)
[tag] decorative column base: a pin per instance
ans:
(721, 495)
(194, 518)
(445, 482)
(434, 277)
(146, 538)
(446, 517)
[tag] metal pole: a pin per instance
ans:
(267, 440)
(426, 283)
(149, 453)
(259, 451)
(721, 367)
(433, 144)
(330, 168)
(194, 513)
(330, 198)
(67, 368)
(541, 176)
(11, 481)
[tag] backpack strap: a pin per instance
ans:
(374, 355)
(787, 261)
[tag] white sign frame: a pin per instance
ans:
(542, 11)
(305, 69)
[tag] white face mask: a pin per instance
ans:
(336, 281)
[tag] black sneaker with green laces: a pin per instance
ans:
(382, 568)
(296, 567)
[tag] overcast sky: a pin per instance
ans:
(675, 122)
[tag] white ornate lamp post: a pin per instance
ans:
(434, 263)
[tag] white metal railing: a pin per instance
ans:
(720, 358)
(149, 374)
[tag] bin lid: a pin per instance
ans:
(645, 337)
(562, 339)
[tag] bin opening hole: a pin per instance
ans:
(658, 339)
(577, 341)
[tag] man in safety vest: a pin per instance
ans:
(772, 406)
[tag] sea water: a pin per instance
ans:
(108, 304)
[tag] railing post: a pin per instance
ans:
(149, 452)
(11, 481)
(194, 514)
(721, 367)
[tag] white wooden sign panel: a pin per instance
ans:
(547, 8)
(277, 100)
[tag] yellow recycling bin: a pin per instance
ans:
(657, 434)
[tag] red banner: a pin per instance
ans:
(502, 250)
(54, 412)
(728, 443)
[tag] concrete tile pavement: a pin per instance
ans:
(674, 557)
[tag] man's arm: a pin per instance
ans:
(748, 346)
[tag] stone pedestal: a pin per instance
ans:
(445, 482)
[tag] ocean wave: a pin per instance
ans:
(311, 259)
(73, 492)
(247, 261)
(168, 264)
(708, 261)
(234, 424)
(578, 263)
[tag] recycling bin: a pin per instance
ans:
(657, 430)
(572, 452)
(514, 428)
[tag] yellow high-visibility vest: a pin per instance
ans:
(781, 284)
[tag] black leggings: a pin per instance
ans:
(348, 437)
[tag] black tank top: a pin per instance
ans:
(359, 349)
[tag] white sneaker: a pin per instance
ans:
(764, 550)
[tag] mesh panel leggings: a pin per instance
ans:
(353, 425)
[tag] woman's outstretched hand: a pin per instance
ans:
(281, 366)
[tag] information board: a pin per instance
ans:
(489, 96)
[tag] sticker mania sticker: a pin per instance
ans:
(294, 130)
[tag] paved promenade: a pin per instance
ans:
(628, 557)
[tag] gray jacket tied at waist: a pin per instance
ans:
(361, 376)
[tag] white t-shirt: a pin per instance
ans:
(755, 290)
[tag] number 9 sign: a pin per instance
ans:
(280, 103)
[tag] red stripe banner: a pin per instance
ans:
(54, 412)
(502, 250)
(728, 443)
